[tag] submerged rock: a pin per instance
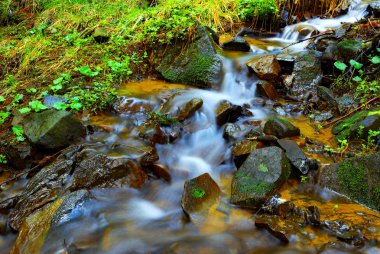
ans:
(266, 67)
(189, 109)
(51, 129)
(261, 176)
(307, 74)
(236, 44)
(200, 194)
(192, 63)
(357, 178)
(280, 128)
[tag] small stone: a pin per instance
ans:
(268, 90)
(266, 68)
(236, 44)
(280, 128)
(189, 109)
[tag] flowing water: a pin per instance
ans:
(150, 220)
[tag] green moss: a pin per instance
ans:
(352, 179)
(198, 193)
(263, 168)
(247, 185)
(345, 128)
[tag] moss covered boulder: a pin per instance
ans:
(349, 49)
(193, 62)
(260, 177)
(357, 178)
(51, 129)
(358, 125)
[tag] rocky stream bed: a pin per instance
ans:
(227, 163)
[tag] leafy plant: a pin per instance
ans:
(61, 105)
(2, 99)
(375, 60)
(304, 179)
(3, 159)
(356, 64)
(58, 83)
(37, 106)
(340, 66)
(3, 116)
(86, 70)
(19, 132)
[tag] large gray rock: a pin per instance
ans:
(295, 155)
(307, 74)
(51, 129)
(193, 63)
(260, 177)
(357, 178)
(281, 128)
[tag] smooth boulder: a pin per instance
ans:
(51, 129)
(266, 67)
(261, 176)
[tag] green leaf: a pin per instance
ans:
(37, 106)
(56, 88)
(375, 60)
(340, 66)
(357, 79)
(18, 130)
(24, 110)
(2, 99)
(76, 106)
(31, 90)
(378, 50)
(58, 81)
(60, 105)
(355, 64)
(86, 70)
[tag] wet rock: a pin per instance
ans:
(231, 131)
(295, 155)
(346, 103)
(148, 156)
(266, 68)
(236, 44)
(227, 112)
(243, 149)
(344, 232)
(189, 109)
(44, 187)
(374, 10)
(357, 178)
(358, 125)
(327, 95)
(286, 62)
(101, 170)
(267, 89)
(51, 129)
(322, 117)
(261, 175)
(193, 63)
(280, 128)
(151, 130)
(282, 231)
(37, 228)
(307, 74)
(101, 35)
(214, 35)
(349, 49)
(50, 100)
(200, 194)
(247, 32)
(161, 171)
(3, 224)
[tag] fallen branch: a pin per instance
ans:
(351, 112)
(310, 38)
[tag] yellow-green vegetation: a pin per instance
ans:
(81, 50)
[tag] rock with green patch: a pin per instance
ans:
(358, 125)
(357, 178)
(349, 49)
(261, 176)
(193, 62)
(236, 44)
(51, 129)
(281, 128)
(200, 194)
(307, 74)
